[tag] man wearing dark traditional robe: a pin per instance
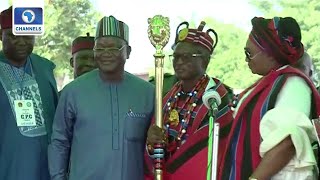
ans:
(28, 97)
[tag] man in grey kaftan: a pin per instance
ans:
(100, 126)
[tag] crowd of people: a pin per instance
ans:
(101, 126)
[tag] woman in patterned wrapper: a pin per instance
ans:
(271, 134)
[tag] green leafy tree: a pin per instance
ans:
(228, 60)
(64, 21)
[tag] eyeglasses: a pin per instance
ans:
(112, 51)
(184, 56)
(249, 55)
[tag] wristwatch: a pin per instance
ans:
(252, 178)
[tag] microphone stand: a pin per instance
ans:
(213, 143)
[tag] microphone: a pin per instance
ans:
(211, 99)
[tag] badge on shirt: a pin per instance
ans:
(24, 113)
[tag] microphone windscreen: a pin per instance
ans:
(211, 94)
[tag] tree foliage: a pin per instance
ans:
(68, 19)
(228, 61)
(64, 20)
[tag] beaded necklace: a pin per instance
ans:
(171, 111)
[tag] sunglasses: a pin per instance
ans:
(249, 56)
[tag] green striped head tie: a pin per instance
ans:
(110, 26)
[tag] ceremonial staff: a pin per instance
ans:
(159, 34)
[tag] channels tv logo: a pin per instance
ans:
(28, 21)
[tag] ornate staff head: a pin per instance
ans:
(159, 31)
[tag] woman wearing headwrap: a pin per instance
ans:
(271, 135)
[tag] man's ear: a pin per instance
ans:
(128, 51)
(71, 61)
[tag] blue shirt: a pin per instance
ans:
(99, 129)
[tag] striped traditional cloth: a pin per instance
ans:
(189, 162)
(279, 38)
(242, 156)
(196, 36)
(110, 26)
